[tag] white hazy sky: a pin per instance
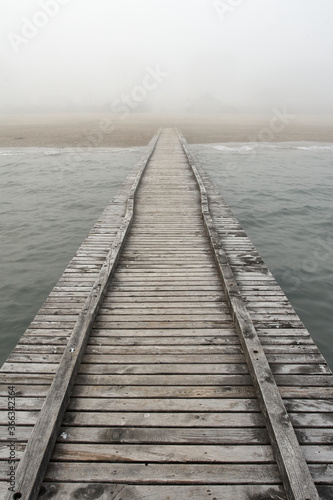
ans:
(250, 53)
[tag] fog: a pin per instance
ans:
(166, 55)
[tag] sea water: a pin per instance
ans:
(49, 201)
(281, 194)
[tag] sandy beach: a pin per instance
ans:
(105, 130)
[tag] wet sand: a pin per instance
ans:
(105, 130)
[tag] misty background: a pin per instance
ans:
(218, 55)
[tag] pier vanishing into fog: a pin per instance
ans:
(166, 363)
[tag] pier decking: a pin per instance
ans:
(185, 374)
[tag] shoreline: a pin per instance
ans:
(106, 130)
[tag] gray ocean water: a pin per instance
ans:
(49, 201)
(281, 193)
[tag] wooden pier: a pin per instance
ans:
(166, 363)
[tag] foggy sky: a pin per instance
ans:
(250, 53)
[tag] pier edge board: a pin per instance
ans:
(294, 470)
(33, 465)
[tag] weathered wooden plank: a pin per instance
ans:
(240, 389)
(76, 452)
(309, 405)
(203, 309)
(156, 492)
(168, 474)
(123, 315)
(310, 427)
(129, 303)
(23, 403)
(283, 331)
(177, 332)
(153, 404)
(278, 324)
(278, 302)
(259, 286)
(91, 359)
(164, 324)
(318, 454)
(281, 340)
(123, 340)
(179, 287)
(291, 349)
(164, 369)
(164, 349)
(204, 284)
(305, 369)
(221, 434)
(157, 435)
(176, 265)
(184, 419)
(273, 316)
(72, 289)
(42, 340)
(322, 474)
(53, 325)
(33, 358)
(315, 436)
(38, 349)
(201, 453)
(190, 295)
(4, 454)
(29, 368)
(149, 273)
(116, 325)
(33, 378)
(41, 345)
(305, 392)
